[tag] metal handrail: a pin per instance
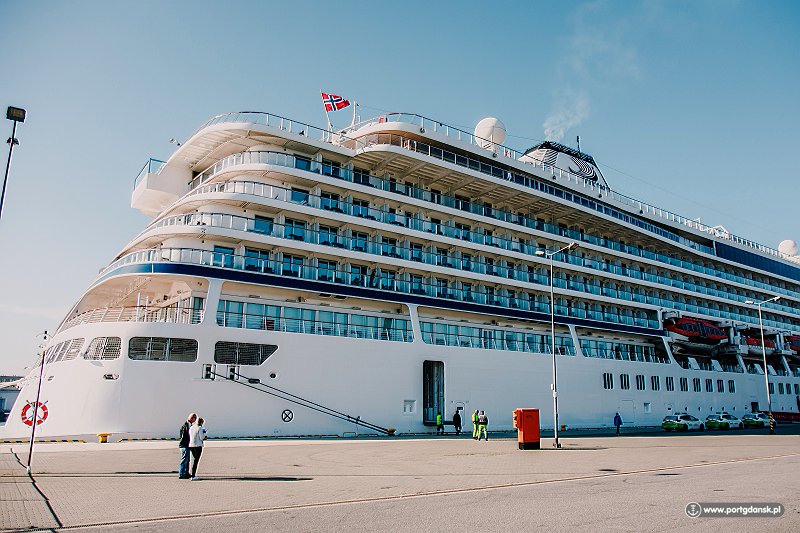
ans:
(476, 265)
(376, 279)
(282, 159)
(135, 314)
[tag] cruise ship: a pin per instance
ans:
(300, 281)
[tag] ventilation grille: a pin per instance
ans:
(162, 349)
(103, 349)
(242, 353)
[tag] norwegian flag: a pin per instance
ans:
(334, 102)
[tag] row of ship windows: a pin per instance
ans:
(655, 383)
(160, 349)
(236, 314)
(378, 244)
(464, 204)
(386, 279)
(697, 384)
(493, 339)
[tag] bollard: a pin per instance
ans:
(102, 438)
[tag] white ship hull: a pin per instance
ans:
(370, 379)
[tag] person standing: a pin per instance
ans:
(183, 444)
(197, 434)
(483, 422)
(439, 424)
(457, 422)
(617, 422)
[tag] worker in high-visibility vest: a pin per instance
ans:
(439, 424)
(475, 425)
(483, 421)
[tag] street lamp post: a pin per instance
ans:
(15, 114)
(550, 256)
(764, 353)
(36, 405)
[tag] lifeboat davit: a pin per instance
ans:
(694, 335)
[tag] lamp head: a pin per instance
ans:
(540, 252)
(749, 302)
(17, 114)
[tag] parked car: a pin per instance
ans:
(723, 421)
(756, 420)
(682, 422)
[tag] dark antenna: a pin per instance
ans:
(579, 143)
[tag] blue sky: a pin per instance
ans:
(691, 106)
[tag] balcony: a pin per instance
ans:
(157, 186)
(170, 315)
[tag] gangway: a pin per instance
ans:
(254, 383)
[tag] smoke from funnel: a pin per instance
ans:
(570, 111)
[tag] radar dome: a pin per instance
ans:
(788, 247)
(490, 131)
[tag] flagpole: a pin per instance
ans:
(327, 116)
(355, 109)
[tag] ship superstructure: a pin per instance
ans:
(389, 271)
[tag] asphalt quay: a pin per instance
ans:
(637, 482)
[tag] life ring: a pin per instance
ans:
(28, 411)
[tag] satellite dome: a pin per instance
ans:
(490, 131)
(788, 247)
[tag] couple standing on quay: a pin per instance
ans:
(192, 434)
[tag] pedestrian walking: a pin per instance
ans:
(475, 425)
(197, 435)
(183, 445)
(457, 422)
(483, 422)
(617, 422)
(439, 424)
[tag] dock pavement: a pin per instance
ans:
(448, 483)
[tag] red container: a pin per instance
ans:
(526, 420)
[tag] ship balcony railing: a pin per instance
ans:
(230, 319)
(355, 176)
(282, 194)
(781, 372)
(329, 238)
(171, 315)
(732, 368)
(376, 279)
(516, 344)
(153, 166)
(646, 355)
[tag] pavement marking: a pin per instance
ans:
(399, 497)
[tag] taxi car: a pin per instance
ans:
(756, 420)
(682, 422)
(723, 421)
